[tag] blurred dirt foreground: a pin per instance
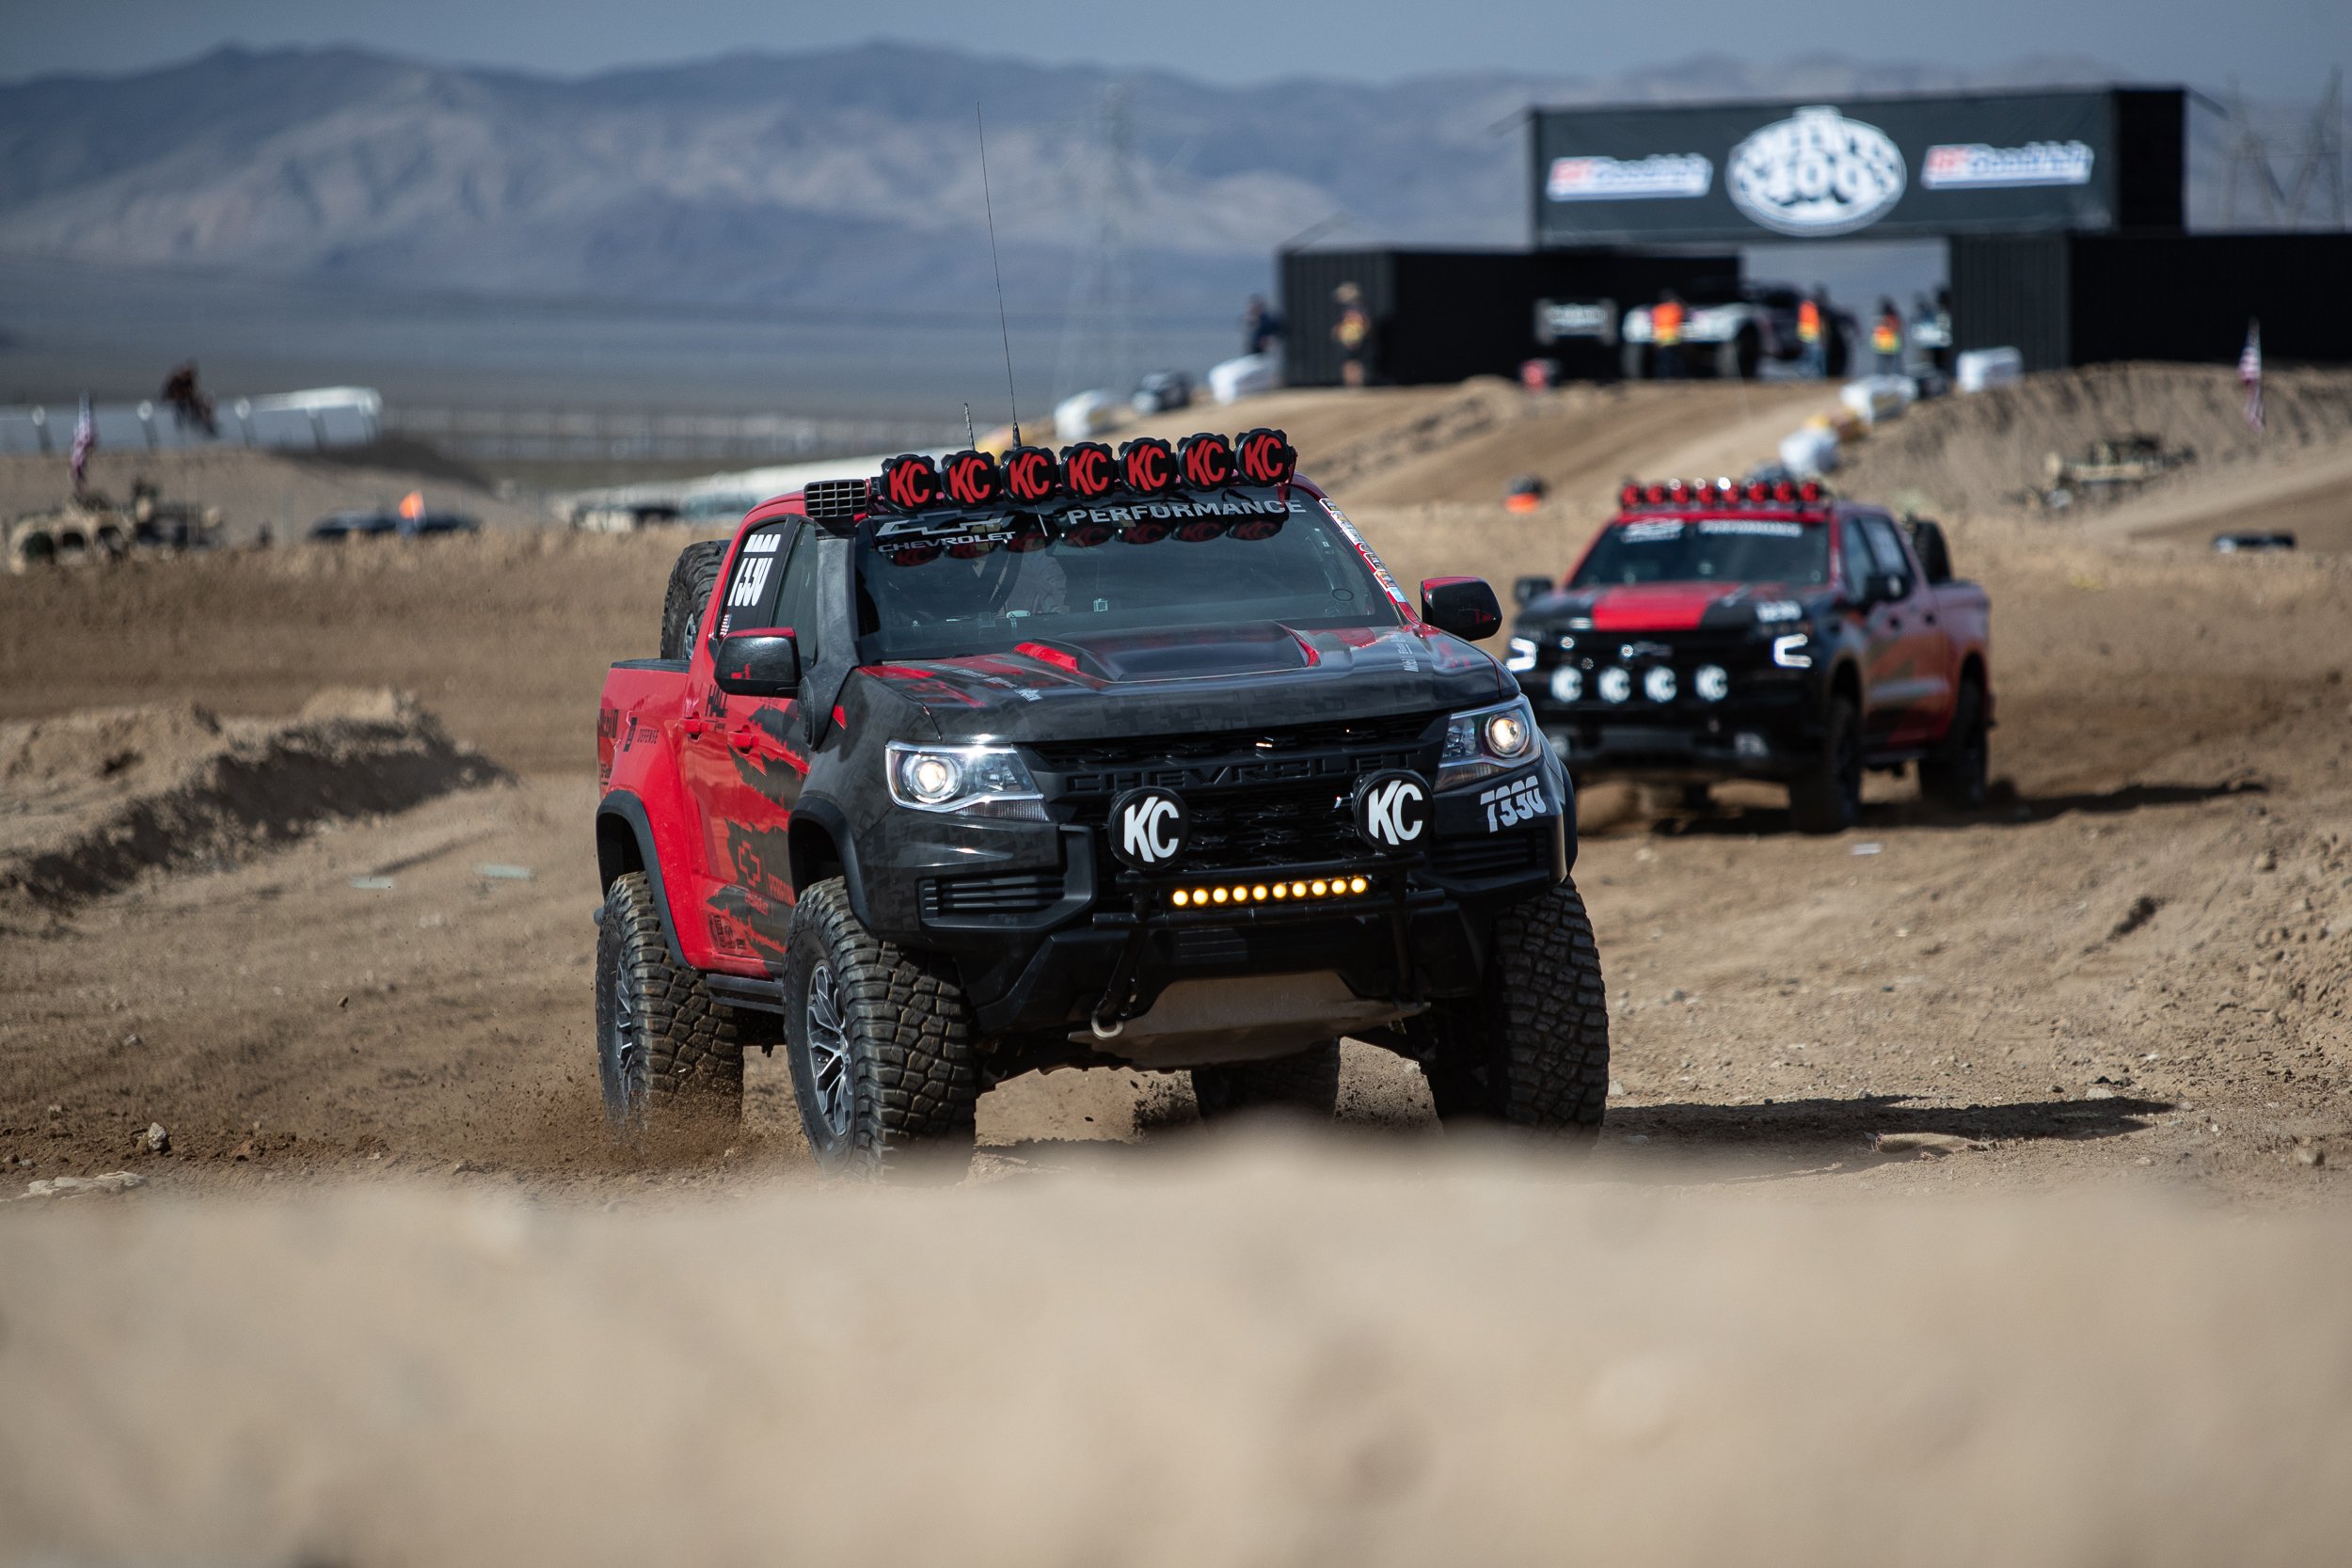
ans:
(1250, 1355)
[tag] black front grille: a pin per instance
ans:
(1499, 855)
(1253, 797)
(1005, 893)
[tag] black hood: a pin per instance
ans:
(1242, 676)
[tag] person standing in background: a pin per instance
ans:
(1812, 342)
(1352, 333)
(1260, 328)
(1666, 323)
(1886, 338)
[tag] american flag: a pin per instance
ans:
(2250, 370)
(84, 437)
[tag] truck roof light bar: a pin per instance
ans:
(1086, 471)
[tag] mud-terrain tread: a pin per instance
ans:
(1535, 1052)
(693, 578)
(694, 1054)
(1307, 1082)
(1946, 775)
(916, 1081)
(1817, 799)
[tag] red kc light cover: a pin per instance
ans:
(1657, 495)
(1206, 462)
(1089, 471)
(910, 482)
(1032, 475)
(1784, 491)
(971, 478)
(1148, 464)
(1811, 490)
(1758, 491)
(1631, 496)
(1266, 457)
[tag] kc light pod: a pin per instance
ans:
(1711, 682)
(1617, 684)
(1658, 684)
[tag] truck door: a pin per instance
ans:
(1919, 671)
(745, 758)
(1864, 587)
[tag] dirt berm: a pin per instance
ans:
(95, 801)
(1426, 1359)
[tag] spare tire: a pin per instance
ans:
(692, 581)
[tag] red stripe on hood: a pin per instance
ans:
(1658, 607)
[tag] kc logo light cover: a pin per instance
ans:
(971, 478)
(1032, 475)
(1089, 471)
(1149, 465)
(1392, 810)
(1148, 828)
(1266, 458)
(911, 483)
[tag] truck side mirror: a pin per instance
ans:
(757, 664)
(1464, 606)
(1526, 590)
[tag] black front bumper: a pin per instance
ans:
(1111, 940)
(1754, 739)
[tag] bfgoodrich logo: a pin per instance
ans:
(1815, 172)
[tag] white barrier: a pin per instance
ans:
(1981, 369)
(302, 421)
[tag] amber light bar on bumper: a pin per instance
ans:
(1229, 894)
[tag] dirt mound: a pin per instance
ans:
(97, 799)
(1975, 454)
(1428, 1360)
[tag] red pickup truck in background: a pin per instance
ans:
(1767, 630)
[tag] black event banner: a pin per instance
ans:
(1886, 166)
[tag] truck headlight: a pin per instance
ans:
(1487, 740)
(1658, 684)
(1522, 655)
(984, 781)
(1713, 683)
(1793, 652)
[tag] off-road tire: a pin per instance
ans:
(1825, 796)
(693, 579)
(667, 1055)
(1306, 1084)
(903, 1079)
(1533, 1051)
(1954, 775)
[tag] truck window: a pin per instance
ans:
(1706, 549)
(796, 605)
(1856, 562)
(1891, 560)
(752, 589)
(925, 595)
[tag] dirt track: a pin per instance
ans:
(2131, 974)
(2062, 979)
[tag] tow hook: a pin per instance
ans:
(1110, 1030)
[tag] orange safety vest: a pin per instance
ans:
(1809, 323)
(1665, 321)
(1888, 336)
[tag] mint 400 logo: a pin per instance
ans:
(1815, 172)
(1507, 805)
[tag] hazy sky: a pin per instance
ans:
(2276, 47)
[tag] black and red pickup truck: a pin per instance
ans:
(981, 766)
(1766, 630)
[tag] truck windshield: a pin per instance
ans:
(942, 594)
(1712, 549)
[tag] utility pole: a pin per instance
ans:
(1098, 346)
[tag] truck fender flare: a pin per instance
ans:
(828, 817)
(625, 810)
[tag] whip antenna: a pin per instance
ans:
(998, 267)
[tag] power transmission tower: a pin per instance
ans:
(1098, 345)
(2318, 170)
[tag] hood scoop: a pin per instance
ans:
(1266, 648)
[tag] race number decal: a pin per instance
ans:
(1148, 828)
(1392, 810)
(1509, 804)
